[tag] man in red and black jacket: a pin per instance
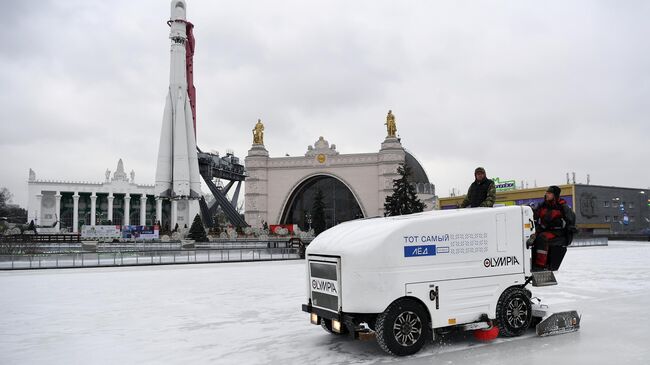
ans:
(554, 229)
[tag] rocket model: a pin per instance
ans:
(177, 172)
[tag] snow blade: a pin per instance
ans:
(559, 323)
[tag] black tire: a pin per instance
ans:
(327, 326)
(403, 328)
(529, 294)
(514, 312)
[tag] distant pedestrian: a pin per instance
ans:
(482, 192)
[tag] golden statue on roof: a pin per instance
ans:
(258, 133)
(390, 124)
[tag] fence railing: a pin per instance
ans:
(151, 257)
(44, 247)
(587, 241)
(34, 238)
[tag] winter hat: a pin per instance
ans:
(479, 169)
(555, 190)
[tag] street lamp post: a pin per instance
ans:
(308, 218)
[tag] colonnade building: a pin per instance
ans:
(68, 205)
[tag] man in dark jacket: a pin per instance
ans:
(554, 228)
(482, 192)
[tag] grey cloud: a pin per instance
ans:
(501, 84)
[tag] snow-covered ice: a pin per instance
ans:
(249, 313)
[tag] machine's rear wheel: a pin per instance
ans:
(402, 328)
(514, 312)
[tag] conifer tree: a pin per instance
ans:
(197, 231)
(318, 213)
(404, 199)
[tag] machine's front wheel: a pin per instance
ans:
(514, 312)
(402, 328)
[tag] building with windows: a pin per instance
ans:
(281, 190)
(68, 205)
(599, 209)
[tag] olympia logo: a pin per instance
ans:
(500, 261)
(324, 286)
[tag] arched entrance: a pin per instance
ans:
(340, 203)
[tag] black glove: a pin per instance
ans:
(570, 231)
(531, 241)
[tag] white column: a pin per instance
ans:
(37, 212)
(159, 211)
(57, 209)
(93, 209)
(110, 207)
(127, 206)
(174, 214)
(143, 209)
(75, 213)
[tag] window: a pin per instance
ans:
(606, 204)
(630, 205)
(606, 218)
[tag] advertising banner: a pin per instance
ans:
(505, 185)
(276, 228)
(141, 232)
(101, 231)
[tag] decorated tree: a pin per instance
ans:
(197, 231)
(13, 212)
(318, 213)
(404, 199)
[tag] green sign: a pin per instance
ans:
(504, 185)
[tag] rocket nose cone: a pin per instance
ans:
(178, 9)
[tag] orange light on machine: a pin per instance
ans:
(314, 318)
(336, 326)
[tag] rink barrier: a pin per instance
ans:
(589, 241)
(34, 247)
(142, 258)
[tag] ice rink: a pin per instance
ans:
(249, 313)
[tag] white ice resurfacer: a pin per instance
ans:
(403, 279)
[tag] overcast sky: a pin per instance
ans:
(530, 90)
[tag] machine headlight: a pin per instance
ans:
(336, 326)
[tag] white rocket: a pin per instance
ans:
(177, 172)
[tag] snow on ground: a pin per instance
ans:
(249, 313)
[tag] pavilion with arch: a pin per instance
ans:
(281, 190)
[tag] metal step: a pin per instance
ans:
(543, 278)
